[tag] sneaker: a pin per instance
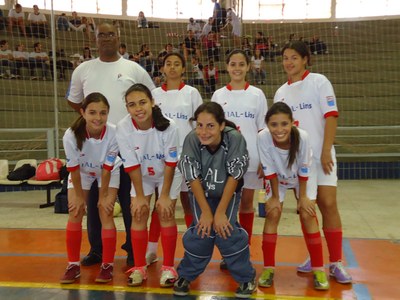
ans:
(12, 76)
(223, 265)
(137, 276)
(34, 78)
(2, 75)
(168, 276)
(151, 258)
(245, 290)
(340, 274)
(267, 277)
(305, 267)
(91, 259)
(320, 280)
(71, 274)
(106, 273)
(181, 287)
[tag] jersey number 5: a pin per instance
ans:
(151, 172)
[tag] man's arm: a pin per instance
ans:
(75, 106)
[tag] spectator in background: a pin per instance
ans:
(142, 21)
(122, 51)
(75, 22)
(195, 27)
(317, 46)
(190, 45)
(210, 77)
(146, 58)
(62, 22)
(16, 17)
(261, 43)
(38, 59)
(197, 77)
(207, 28)
(2, 20)
(6, 60)
(62, 64)
(21, 59)
(37, 23)
(218, 16)
(234, 21)
(258, 67)
(247, 46)
(211, 46)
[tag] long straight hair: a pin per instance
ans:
(283, 108)
(216, 110)
(160, 121)
(78, 127)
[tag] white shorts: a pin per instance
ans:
(311, 192)
(252, 182)
(87, 180)
(149, 186)
(318, 177)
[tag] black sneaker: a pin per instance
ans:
(181, 287)
(245, 290)
(223, 265)
(91, 259)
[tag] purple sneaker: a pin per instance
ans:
(305, 267)
(338, 271)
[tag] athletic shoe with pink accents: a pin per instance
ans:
(338, 271)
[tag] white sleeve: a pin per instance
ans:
(71, 149)
(112, 152)
(128, 154)
(263, 107)
(75, 91)
(265, 156)
(305, 155)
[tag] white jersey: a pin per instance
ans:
(311, 99)
(275, 160)
(112, 79)
(95, 155)
(36, 18)
(21, 54)
(148, 149)
(34, 55)
(247, 109)
(14, 14)
(178, 105)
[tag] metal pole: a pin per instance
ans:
(53, 46)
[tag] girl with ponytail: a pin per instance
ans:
(91, 150)
(148, 143)
(286, 155)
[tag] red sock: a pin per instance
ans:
(74, 240)
(247, 220)
(314, 246)
(169, 236)
(188, 220)
(139, 246)
(155, 227)
(109, 239)
(334, 241)
(268, 248)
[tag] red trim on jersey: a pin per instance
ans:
(137, 127)
(303, 178)
(164, 86)
(108, 168)
(130, 169)
(74, 168)
(269, 177)
(302, 77)
(230, 88)
(102, 134)
(171, 164)
(331, 114)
